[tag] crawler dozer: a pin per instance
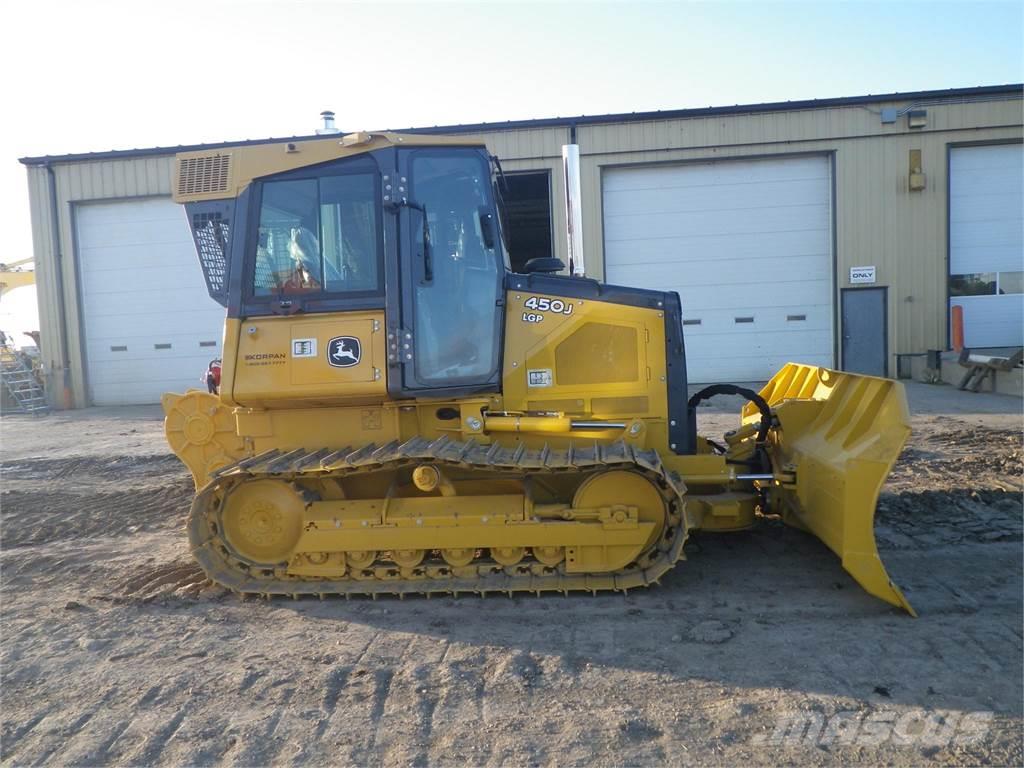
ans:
(399, 412)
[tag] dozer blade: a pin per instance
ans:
(840, 434)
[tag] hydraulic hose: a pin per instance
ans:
(731, 389)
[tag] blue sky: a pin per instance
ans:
(105, 75)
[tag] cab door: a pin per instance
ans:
(451, 272)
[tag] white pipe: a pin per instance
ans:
(573, 208)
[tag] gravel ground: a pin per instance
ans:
(115, 651)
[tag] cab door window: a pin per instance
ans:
(458, 279)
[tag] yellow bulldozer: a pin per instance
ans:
(400, 413)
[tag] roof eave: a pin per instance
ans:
(554, 122)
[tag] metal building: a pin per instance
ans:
(836, 232)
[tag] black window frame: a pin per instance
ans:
(410, 383)
(314, 301)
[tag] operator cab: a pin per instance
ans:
(409, 230)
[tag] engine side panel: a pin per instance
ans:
(586, 359)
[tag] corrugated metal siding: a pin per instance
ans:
(46, 290)
(537, 150)
(78, 183)
(878, 221)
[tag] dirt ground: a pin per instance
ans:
(116, 652)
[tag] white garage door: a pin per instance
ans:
(149, 325)
(986, 243)
(748, 246)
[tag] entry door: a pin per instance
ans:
(453, 271)
(864, 331)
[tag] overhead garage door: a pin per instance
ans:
(986, 243)
(748, 246)
(149, 325)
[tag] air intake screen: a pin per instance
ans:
(211, 230)
(199, 175)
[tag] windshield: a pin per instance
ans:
(318, 235)
(456, 304)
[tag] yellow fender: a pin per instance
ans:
(839, 434)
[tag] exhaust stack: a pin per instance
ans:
(573, 208)
(329, 127)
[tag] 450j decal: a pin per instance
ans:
(542, 304)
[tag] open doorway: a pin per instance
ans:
(527, 197)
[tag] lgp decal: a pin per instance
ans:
(344, 351)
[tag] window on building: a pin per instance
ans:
(986, 284)
(527, 198)
(977, 284)
(1011, 282)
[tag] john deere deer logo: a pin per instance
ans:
(343, 351)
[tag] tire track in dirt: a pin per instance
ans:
(12, 737)
(32, 518)
(62, 737)
(424, 680)
(127, 725)
(114, 467)
(102, 752)
(458, 714)
(180, 577)
(927, 519)
(153, 747)
(258, 746)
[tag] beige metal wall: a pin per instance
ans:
(77, 183)
(878, 221)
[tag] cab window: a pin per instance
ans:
(318, 235)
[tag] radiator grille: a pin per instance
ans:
(199, 175)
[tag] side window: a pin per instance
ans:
(287, 250)
(348, 219)
(318, 236)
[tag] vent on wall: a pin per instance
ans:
(199, 175)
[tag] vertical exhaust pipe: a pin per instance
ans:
(573, 208)
(328, 127)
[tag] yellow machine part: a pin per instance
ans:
(839, 434)
(14, 275)
(440, 516)
(202, 433)
(589, 359)
(277, 421)
(313, 478)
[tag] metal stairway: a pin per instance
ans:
(20, 382)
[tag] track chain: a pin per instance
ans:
(435, 577)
